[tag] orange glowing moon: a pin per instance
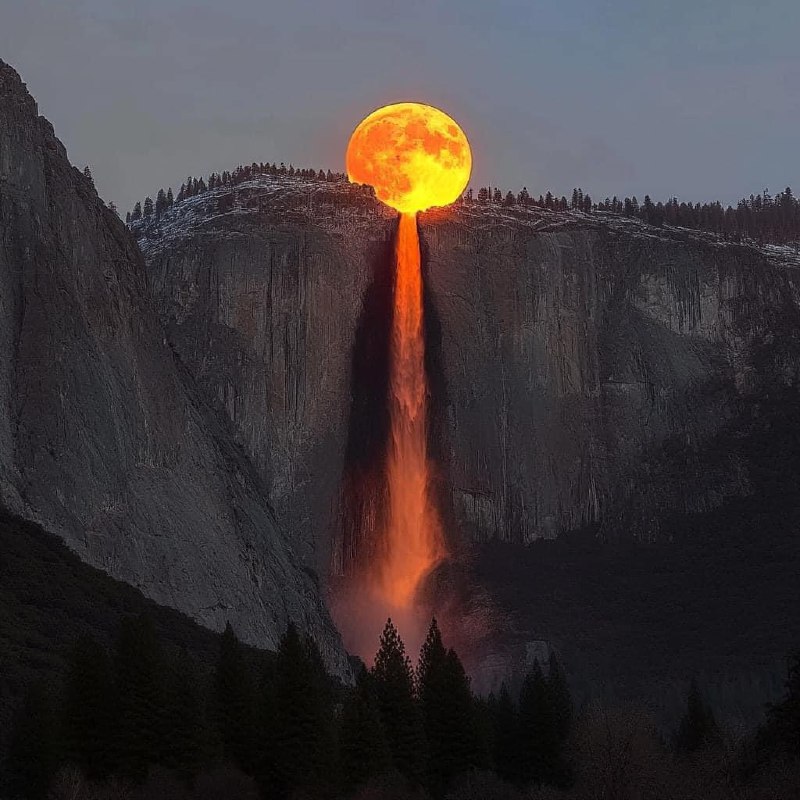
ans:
(414, 155)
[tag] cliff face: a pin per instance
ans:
(594, 369)
(104, 437)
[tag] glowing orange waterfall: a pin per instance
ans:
(415, 157)
(413, 543)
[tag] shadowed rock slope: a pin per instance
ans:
(103, 438)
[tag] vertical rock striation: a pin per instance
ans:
(592, 365)
(104, 437)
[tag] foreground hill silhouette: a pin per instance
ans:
(49, 598)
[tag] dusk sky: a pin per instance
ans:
(695, 98)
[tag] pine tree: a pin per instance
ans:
(137, 211)
(161, 203)
(697, 728)
(363, 748)
(234, 703)
(185, 736)
(505, 736)
(483, 195)
(394, 687)
(784, 717)
(303, 715)
(33, 753)
(538, 734)
(497, 197)
(148, 207)
(139, 671)
(88, 709)
(447, 712)
(170, 198)
(87, 173)
(560, 698)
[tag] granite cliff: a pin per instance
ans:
(621, 398)
(594, 370)
(104, 437)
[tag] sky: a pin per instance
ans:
(694, 98)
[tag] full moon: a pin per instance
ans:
(414, 156)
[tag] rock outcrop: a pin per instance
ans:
(104, 438)
(592, 365)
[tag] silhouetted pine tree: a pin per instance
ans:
(505, 736)
(137, 211)
(33, 755)
(560, 698)
(233, 701)
(447, 710)
(89, 709)
(148, 207)
(784, 717)
(363, 748)
(139, 672)
(697, 728)
(303, 715)
(538, 734)
(185, 735)
(161, 203)
(394, 687)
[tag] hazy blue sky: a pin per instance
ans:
(699, 98)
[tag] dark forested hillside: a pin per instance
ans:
(49, 597)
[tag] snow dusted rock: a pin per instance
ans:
(592, 365)
(104, 437)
